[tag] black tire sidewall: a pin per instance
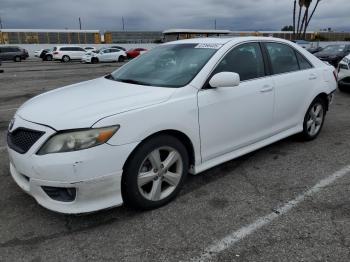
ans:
(65, 61)
(121, 59)
(305, 133)
(130, 191)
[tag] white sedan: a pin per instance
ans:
(104, 55)
(132, 136)
(344, 74)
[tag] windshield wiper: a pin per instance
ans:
(131, 81)
(110, 77)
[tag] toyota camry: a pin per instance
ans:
(183, 107)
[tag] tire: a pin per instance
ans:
(121, 59)
(48, 58)
(140, 191)
(94, 60)
(314, 119)
(342, 88)
(17, 59)
(65, 59)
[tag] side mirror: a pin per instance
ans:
(224, 79)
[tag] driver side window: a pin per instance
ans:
(245, 60)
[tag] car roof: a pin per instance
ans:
(223, 41)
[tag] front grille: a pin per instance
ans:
(22, 139)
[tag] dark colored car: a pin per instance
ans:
(46, 55)
(1, 71)
(314, 50)
(118, 47)
(13, 53)
(333, 54)
(132, 53)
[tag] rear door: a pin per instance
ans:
(294, 80)
(104, 55)
(6, 53)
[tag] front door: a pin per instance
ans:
(233, 117)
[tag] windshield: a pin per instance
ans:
(166, 66)
(334, 48)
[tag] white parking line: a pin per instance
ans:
(245, 231)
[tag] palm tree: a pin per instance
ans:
(301, 5)
(306, 17)
(312, 14)
(294, 14)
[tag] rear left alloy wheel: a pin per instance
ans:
(155, 173)
(65, 59)
(121, 59)
(314, 119)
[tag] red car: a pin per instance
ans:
(132, 53)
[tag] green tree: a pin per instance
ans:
(288, 28)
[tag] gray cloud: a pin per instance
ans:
(165, 14)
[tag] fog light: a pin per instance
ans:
(60, 193)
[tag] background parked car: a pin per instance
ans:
(303, 43)
(68, 53)
(333, 54)
(47, 56)
(104, 55)
(344, 74)
(314, 50)
(118, 47)
(1, 71)
(132, 53)
(89, 48)
(13, 53)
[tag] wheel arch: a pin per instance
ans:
(182, 137)
(324, 97)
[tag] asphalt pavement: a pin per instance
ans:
(233, 212)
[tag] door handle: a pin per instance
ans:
(266, 88)
(312, 77)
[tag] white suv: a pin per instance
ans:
(67, 53)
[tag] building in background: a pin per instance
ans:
(49, 36)
(179, 34)
(131, 37)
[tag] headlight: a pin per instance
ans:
(77, 140)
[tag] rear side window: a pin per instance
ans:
(303, 63)
(79, 49)
(283, 58)
(245, 60)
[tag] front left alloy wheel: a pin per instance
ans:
(155, 172)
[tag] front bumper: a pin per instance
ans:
(86, 59)
(95, 174)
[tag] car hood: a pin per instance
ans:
(83, 104)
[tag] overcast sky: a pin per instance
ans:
(165, 14)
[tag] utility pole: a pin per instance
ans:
(215, 24)
(123, 24)
(79, 23)
(0, 23)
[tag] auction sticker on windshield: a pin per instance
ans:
(209, 46)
